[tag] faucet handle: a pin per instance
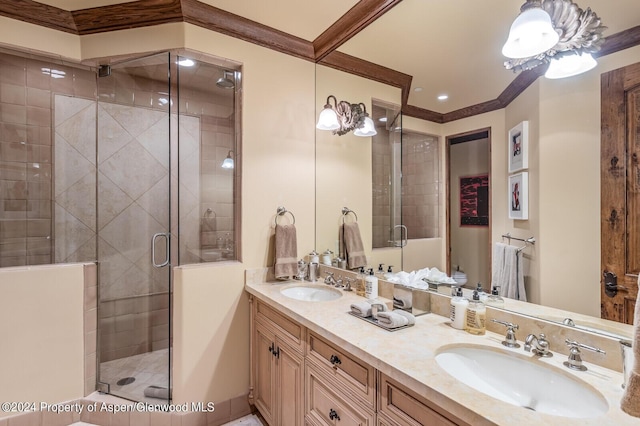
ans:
(575, 359)
(347, 287)
(510, 340)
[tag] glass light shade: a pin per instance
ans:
(328, 119)
(531, 34)
(367, 130)
(570, 65)
(228, 162)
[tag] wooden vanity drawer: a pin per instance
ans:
(324, 405)
(405, 407)
(357, 377)
(291, 332)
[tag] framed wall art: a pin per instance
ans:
(474, 200)
(519, 196)
(519, 147)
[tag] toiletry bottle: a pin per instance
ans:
(483, 295)
(380, 273)
(360, 282)
(495, 300)
(313, 257)
(326, 257)
(389, 272)
(371, 285)
(459, 305)
(476, 315)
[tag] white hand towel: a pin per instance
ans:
(362, 309)
(498, 264)
(630, 402)
(390, 319)
(411, 320)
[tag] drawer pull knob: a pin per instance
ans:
(271, 348)
(333, 415)
(334, 360)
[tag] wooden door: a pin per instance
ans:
(620, 193)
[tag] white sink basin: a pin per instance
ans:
(311, 293)
(521, 381)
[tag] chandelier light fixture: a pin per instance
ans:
(576, 35)
(343, 117)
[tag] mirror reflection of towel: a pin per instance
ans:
(351, 243)
(508, 271)
(286, 252)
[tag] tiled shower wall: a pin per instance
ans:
(26, 156)
(420, 185)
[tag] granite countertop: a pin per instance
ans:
(408, 356)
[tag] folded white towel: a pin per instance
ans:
(402, 299)
(391, 319)
(410, 318)
(362, 309)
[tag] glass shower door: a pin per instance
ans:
(134, 221)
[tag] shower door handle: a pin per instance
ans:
(403, 241)
(153, 249)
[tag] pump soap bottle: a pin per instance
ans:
(459, 305)
(476, 315)
(371, 285)
(495, 299)
(360, 282)
(483, 295)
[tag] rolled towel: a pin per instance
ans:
(351, 243)
(362, 309)
(402, 298)
(391, 319)
(630, 402)
(410, 318)
(286, 264)
(156, 392)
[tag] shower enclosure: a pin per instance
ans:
(122, 166)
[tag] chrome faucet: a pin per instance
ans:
(510, 338)
(347, 286)
(339, 282)
(329, 279)
(540, 345)
(575, 359)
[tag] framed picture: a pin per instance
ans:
(519, 196)
(519, 147)
(474, 200)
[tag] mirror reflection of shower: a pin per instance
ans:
(227, 81)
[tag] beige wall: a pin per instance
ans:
(343, 163)
(41, 324)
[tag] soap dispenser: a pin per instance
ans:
(371, 285)
(360, 283)
(476, 315)
(380, 273)
(483, 295)
(495, 300)
(458, 311)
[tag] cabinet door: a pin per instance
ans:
(265, 375)
(290, 386)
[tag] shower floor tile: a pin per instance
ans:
(148, 369)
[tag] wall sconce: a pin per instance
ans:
(343, 117)
(579, 35)
(228, 162)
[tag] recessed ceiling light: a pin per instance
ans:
(418, 89)
(186, 62)
(443, 97)
(382, 119)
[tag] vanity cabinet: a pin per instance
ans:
(278, 345)
(399, 406)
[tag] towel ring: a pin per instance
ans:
(281, 211)
(346, 211)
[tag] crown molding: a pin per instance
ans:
(322, 50)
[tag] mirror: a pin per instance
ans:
(557, 289)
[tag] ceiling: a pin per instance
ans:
(447, 46)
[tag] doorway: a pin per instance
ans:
(468, 159)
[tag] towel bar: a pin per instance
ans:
(346, 211)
